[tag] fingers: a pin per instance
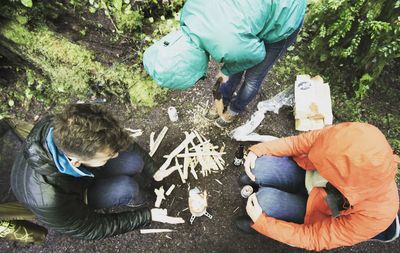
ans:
(253, 208)
(250, 202)
(249, 207)
(253, 199)
(252, 159)
(247, 169)
(249, 173)
(253, 163)
(249, 164)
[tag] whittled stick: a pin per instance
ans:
(189, 138)
(161, 174)
(186, 161)
(160, 196)
(202, 144)
(194, 174)
(217, 158)
(180, 170)
(201, 160)
(220, 157)
(152, 141)
(155, 230)
(158, 140)
(200, 137)
(203, 153)
(170, 189)
(211, 165)
(133, 131)
(193, 163)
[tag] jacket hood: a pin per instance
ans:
(35, 148)
(355, 158)
(175, 61)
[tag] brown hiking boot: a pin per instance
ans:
(212, 113)
(216, 110)
(225, 119)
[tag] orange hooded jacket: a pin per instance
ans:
(358, 161)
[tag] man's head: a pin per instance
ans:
(88, 135)
(175, 61)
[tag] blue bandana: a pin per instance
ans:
(61, 160)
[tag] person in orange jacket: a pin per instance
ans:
(323, 189)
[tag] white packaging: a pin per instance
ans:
(246, 191)
(172, 113)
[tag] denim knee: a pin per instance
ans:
(280, 172)
(282, 205)
(266, 163)
(113, 191)
(127, 163)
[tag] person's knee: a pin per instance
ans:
(270, 162)
(282, 205)
(112, 191)
(126, 188)
(252, 86)
(135, 161)
(264, 163)
(269, 200)
(129, 162)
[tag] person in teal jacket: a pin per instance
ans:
(247, 36)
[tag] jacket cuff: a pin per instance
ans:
(148, 217)
(260, 223)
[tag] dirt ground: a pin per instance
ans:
(225, 203)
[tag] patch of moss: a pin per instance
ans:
(127, 19)
(73, 70)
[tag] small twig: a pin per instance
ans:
(172, 202)
(219, 182)
(170, 189)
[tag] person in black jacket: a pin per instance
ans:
(77, 162)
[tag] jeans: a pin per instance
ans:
(114, 184)
(253, 76)
(282, 193)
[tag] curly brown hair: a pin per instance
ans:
(85, 129)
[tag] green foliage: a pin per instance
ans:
(27, 3)
(128, 17)
(362, 35)
(363, 86)
(119, 11)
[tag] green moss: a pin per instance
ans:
(128, 20)
(72, 69)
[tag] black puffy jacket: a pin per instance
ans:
(57, 199)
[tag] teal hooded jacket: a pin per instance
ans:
(232, 32)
